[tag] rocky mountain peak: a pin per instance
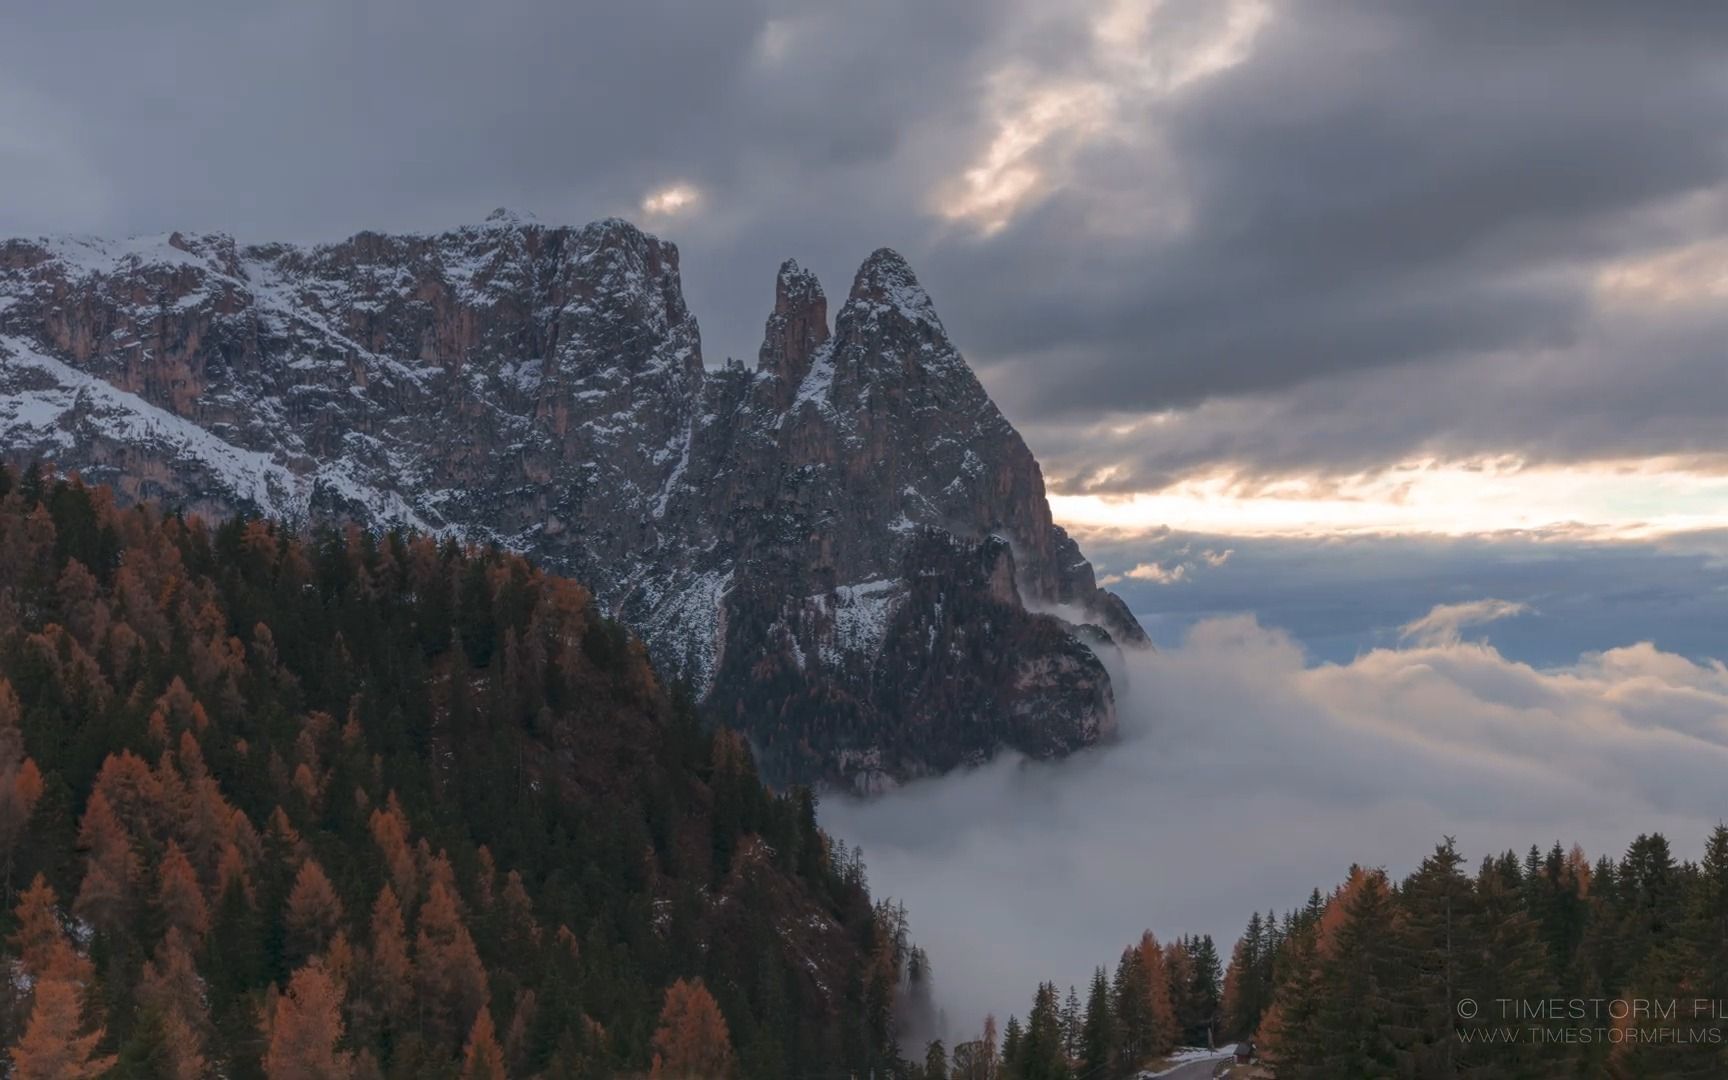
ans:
(848, 560)
(797, 327)
(796, 289)
(504, 216)
(886, 285)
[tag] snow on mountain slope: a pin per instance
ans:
(841, 549)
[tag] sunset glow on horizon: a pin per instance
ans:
(1624, 500)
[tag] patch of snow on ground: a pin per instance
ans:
(695, 606)
(250, 475)
(1188, 1055)
(861, 616)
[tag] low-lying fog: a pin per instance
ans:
(1243, 775)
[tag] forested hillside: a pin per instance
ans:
(1439, 975)
(1546, 966)
(370, 805)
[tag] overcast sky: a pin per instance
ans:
(1233, 243)
(1346, 332)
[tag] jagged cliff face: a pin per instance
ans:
(847, 550)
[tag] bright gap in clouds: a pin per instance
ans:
(1245, 775)
(671, 200)
(1609, 500)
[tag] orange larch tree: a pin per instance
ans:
(447, 968)
(314, 911)
(389, 828)
(1158, 981)
(304, 1027)
(52, 1047)
(390, 973)
(112, 867)
(38, 932)
(20, 785)
(178, 895)
(483, 1058)
(692, 1042)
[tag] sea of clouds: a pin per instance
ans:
(1244, 774)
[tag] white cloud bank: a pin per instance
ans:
(1244, 776)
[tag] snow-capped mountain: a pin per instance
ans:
(846, 550)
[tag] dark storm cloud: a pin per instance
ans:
(312, 121)
(1325, 241)
(1428, 187)
(1379, 184)
(1627, 386)
(321, 118)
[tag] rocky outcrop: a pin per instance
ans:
(797, 328)
(847, 550)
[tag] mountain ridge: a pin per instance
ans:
(847, 549)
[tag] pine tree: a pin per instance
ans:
(1288, 1035)
(935, 1061)
(1248, 980)
(1435, 939)
(1073, 1023)
(1356, 980)
(1099, 1040)
(1179, 976)
(1012, 1059)
(1706, 922)
(1041, 1053)
(1650, 895)
(1205, 992)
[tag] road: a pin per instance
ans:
(1194, 1070)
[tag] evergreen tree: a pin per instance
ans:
(1131, 1002)
(1013, 1059)
(1100, 1041)
(1357, 980)
(1434, 941)
(935, 1061)
(1205, 993)
(1042, 1055)
(1073, 1024)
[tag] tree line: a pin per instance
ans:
(1160, 997)
(1452, 973)
(1546, 965)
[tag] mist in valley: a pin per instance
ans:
(1244, 774)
